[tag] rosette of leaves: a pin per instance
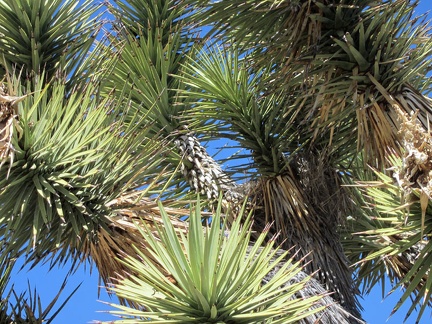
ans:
(46, 35)
(73, 154)
(217, 275)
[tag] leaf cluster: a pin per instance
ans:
(218, 277)
(74, 153)
(391, 239)
(53, 36)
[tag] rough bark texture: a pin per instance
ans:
(328, 204)
(306, 206)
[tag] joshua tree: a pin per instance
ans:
(108, 119)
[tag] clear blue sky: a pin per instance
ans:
(84, 305)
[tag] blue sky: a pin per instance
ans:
(84, 305)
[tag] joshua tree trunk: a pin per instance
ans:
(306, 206)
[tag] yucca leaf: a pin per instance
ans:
(50, 35)
(194, 303)
(65, 148)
